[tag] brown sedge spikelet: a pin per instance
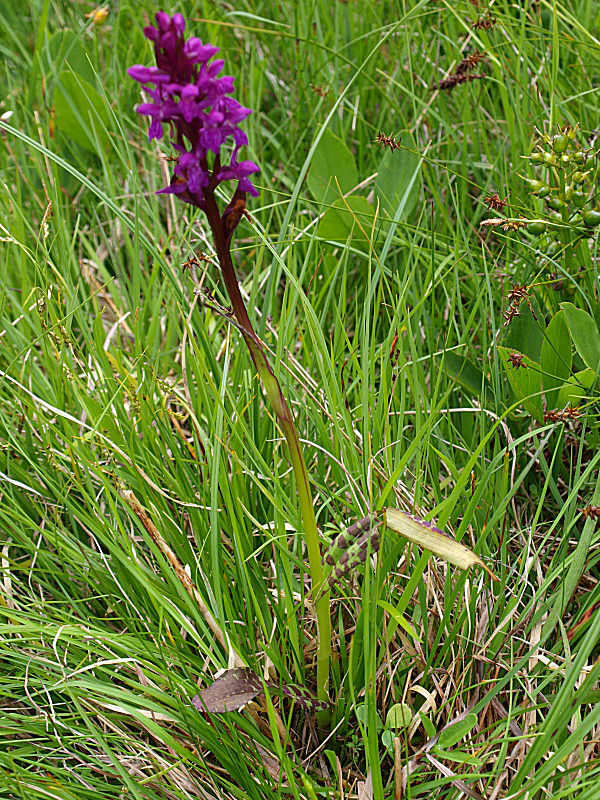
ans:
(495, 203)
(454, 80)
(591, 512)
(517, 295)
(485, 22)
(387, 141)
(470, 62)
(568, 413)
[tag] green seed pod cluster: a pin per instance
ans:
(565, 181)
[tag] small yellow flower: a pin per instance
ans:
(98, 16)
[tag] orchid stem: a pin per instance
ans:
(286, 422)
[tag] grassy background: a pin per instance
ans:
(117, 377)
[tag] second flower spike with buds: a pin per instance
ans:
(351, 547)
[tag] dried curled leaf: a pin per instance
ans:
(236, 687)
(230, 692)
(427, 536)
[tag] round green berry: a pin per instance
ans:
(533, 185)
(560, 143)
(536, 228)
(591, 218)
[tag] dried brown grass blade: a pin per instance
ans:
(185, 579)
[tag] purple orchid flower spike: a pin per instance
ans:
(188, 95)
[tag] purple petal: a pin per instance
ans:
(174, 188)
(212, 139)
(239, 137)
(189, 91)
(247, 187)
(168, 42)
(197, 180)
(151, 109)
(163, 20)
(214, 118)
(234, 111)
(225, 85)
(151, 33)
(199, 53)
(156, 130)
(245, 168)
(186, 161)
(148, 74)
(215, 67)
(179, 22)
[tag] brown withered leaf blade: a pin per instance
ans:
(427, 536)
(272, 764)
(230, 692)
(236, 687)
(365, 788)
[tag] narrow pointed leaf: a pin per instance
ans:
(395, 615)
